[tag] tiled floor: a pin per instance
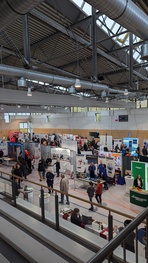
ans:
(114, 198)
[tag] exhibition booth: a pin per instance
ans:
(140, 196)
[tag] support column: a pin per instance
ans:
(94, 46)
(131, 60)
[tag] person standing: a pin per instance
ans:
(48, 161)
(43, 167)
(40, 170)
(144, 151)
(49, 179)
(91, 170)
(90, 192)
(64, 187)
(57, 164)
(98, 195)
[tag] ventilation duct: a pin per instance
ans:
(53, 79)
(126, 13)
(144, 52)
(11, 10)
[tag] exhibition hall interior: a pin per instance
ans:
(74, 131)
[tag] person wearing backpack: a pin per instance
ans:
(50, 180)
(90, 192)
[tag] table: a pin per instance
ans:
(28, 194)
(46, 201)
(139, 197)
(7, 160)
(94, 228)
(87, 180)
(100, 229)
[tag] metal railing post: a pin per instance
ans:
(146, 245)
(14, 191)
(56, 211)
(42, 205)
(136, 245)
(110, 231)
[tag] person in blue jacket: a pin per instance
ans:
(91, 170)
(104, 176)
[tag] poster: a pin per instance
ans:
(139, 168)
(81, 163)
(110, 167)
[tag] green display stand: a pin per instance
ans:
(139, 198)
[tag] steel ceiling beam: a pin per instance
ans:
(84, 42)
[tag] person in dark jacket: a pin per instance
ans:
(129, 241)
(40, 170)
(75, 217)
(43, 167)
(91, 170)
(48, 161)
(57, 163)
(49, 179)
(90, 192)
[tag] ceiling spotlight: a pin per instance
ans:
(77, 83)
(103, 94)
(2, 107)
(126, 92)
(19, 106)
(27, 107)
(21, 82)
(29, 92)
(71, 89)
(106, 100)
(66, 108)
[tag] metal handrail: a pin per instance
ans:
(114, 243)
(110, 210)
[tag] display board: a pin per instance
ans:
(113, 162)
(132, 144)
(81, 163)
(65, 156)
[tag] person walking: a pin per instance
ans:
(40, 170)
(64, 187)
(90, 192)
(57, 163)
(49, 179)
(98, 195)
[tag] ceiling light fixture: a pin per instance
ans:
(106, 101)
(21, 82)
(19, 106)
(103, 94)
(29, 93)
(71, 89)
(126, 92)
(77, 83)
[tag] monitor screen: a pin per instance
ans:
(87, 220)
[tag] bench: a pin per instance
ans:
(63, 244)
(27, 246)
